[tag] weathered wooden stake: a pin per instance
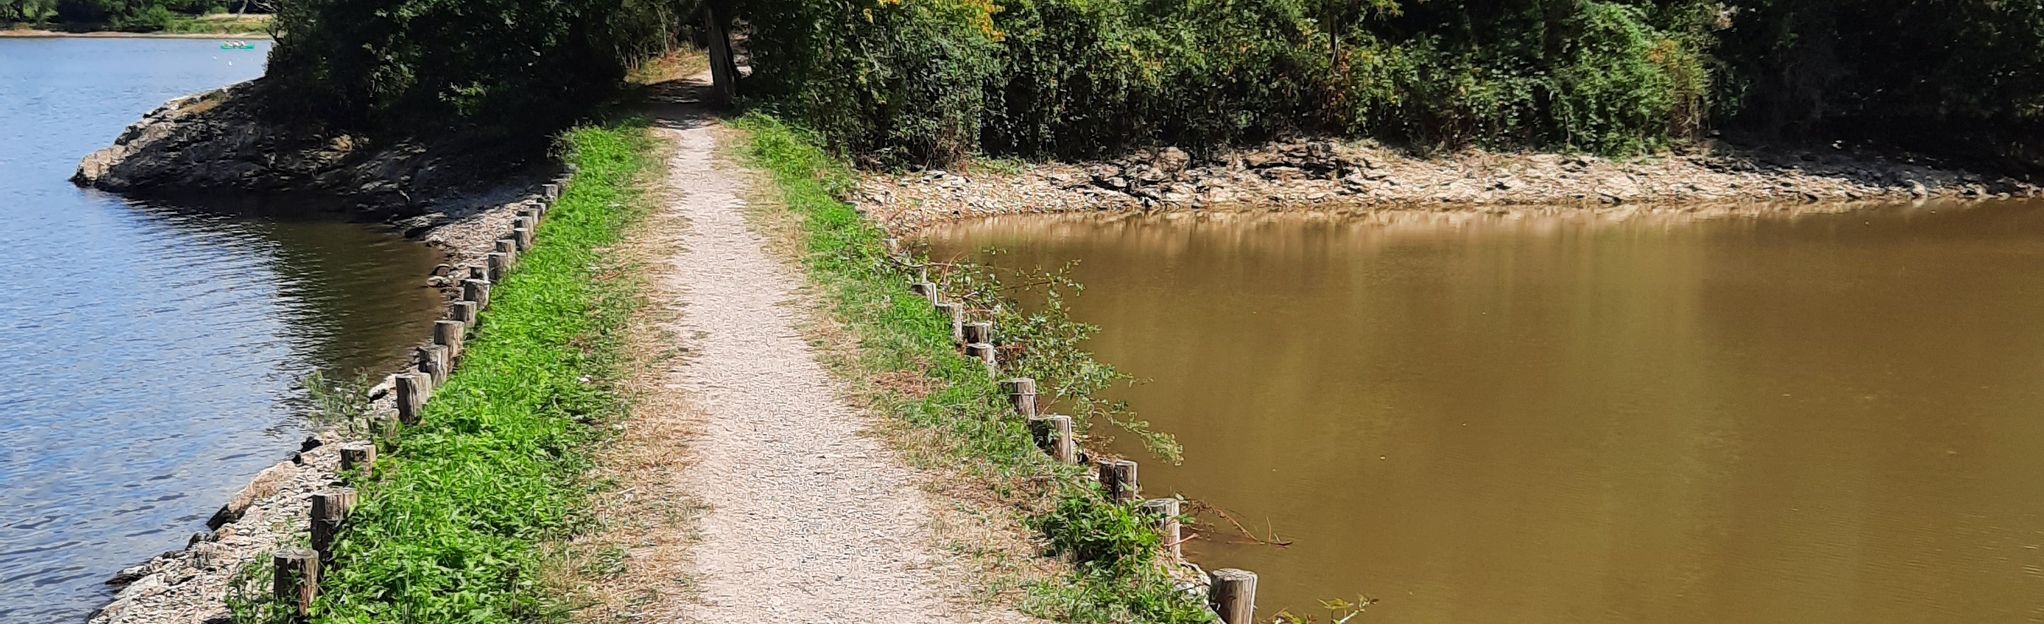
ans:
(1053, 434)
(449, 334)
(985, 354)
(524, 238)
(925, 289)
(956, 313)
(1021, 393)
(358, 455)
(521, 223)
(1233, 595)
(476, 290)
(464, 312)
(500, 265)
(1165, 512)
(412, 391)
(979, 331)
(550, 191)
(329, 509)
(435, 361)
(1118, 477)
(509, 248)
(296, 582)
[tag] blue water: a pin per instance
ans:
(150, 354)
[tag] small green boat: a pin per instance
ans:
(237, 45)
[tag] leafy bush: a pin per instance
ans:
(899, 79)
(1086, 77)
(516, 68)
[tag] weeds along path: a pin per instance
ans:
(805, 516)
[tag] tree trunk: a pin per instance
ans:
(723, 69)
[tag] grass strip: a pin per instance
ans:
(455, 524)
(1118, 576)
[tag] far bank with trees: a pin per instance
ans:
(231, 17)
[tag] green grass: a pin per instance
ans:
(455, 525)
(1119, 577)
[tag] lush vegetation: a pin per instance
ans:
(135, 15)
(451, 528)
(1119, 576)
(497, 68)
(927, 81)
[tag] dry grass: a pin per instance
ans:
(671, 67)
(627, 567)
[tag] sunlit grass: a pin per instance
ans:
(454, 527)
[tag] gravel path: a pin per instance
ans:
(810, 518)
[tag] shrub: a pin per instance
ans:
(496, 67)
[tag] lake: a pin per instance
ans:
(1824, 418)
(151, 353)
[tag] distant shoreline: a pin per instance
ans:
(29, 33)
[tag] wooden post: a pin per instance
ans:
(329, 509)
(524, 238)
(956, 313)
(463, 312)
(550, 191)
(1118, 477)
(1021, 393)
(412, 391)
(296, 582)
(985, 354)
(926, 289)
(509, 248)
(500, 265)
(358, 455)
(521, 223)
(433, 361)
(1053, 434)
(1233, 595)
(979, 331)
(476, 290)
(449, 334)
(1165, 512)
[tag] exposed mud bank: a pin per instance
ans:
(1333, 176)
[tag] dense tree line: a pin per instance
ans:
(498, 68)
(137, 15)
(930, 80)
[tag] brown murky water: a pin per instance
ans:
(1812, 419)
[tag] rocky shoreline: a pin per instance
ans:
(231, 140)
(1322, 175)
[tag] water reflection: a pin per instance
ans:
(149, 352)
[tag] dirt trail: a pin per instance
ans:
(805, 517)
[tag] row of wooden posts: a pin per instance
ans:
(1231, 592)
(296, 582)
